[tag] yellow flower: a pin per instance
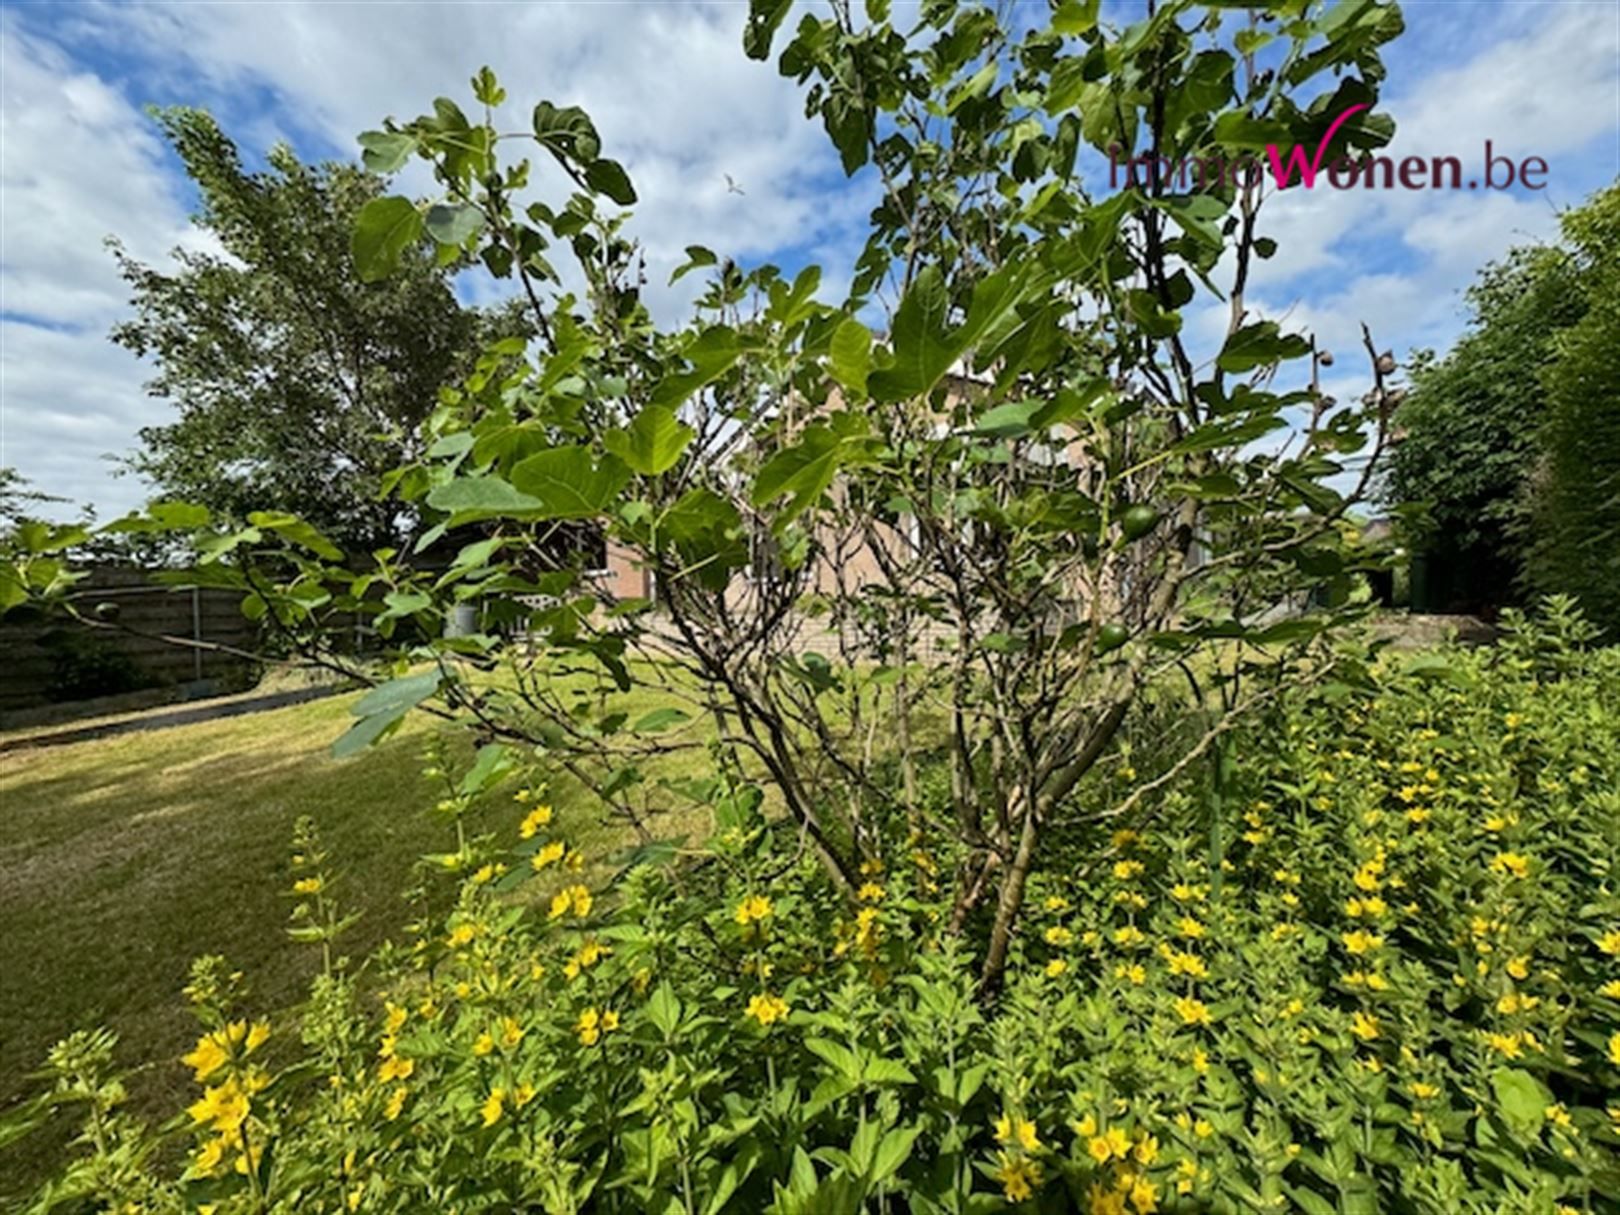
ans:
(870, 892)
(589, 955)
(752, 909)
(571, 898)
(485, 875)
(1147, 1150)
(1192, 1010)
(1144, 1196)
(1364, 1026)
(533, 821)
(1128, 935)
(1100, 1200)
(766, 1008)
(1610, 990)
(549, 854)
(463, 933)
(589, 1027)
(309, 885)
(1018, 1176)
(1359, 942)
(208, 1160)
(610, 1021)
(1514, 863)
(1508, 1045)
(484, 1045)
(1189, 964)
(1056, 967)
(208, 1057)
(225, 1107)
(523, 1094)
(1021, 1130)
(1609, 943)
(396, 1018)
(1190, 928)
(511, 1032)
(1519, 968)
(494, 1106)
(1058, 935)
(1055, 902)
(396, 1103)
(1423, 1091)
(1135, 973)
(1614, 1049)
(1125, 870)
(394, 1068)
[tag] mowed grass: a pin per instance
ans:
(124, 858)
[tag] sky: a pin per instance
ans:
(717, 145)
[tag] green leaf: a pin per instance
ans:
(659, 720)
(925, 349)
(365, 732)
(764, 18)
(849, 356)
(566, 132)
(608, 177)
(453, 223)
(568, 483)
(386, 151)
(295, 530)
(494, 761)
(1523, 1098)
(696, 257)
(893, 1152)
(384, 707)
(1075, 17)
(1258, 345)
(383, 231)
(805, 470)
(13, 589)
(652, 443)
(664, 1010)
(711, 354)
(467, 499)
(402, 693)
(1013, 420)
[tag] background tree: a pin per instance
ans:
(19, 499)
(297, 385)
(1472, 425)
(1574, 496)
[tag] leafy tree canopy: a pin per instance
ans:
(1473, 420)
(297, 384)
(1575, 497)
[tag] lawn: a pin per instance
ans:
(126, 857)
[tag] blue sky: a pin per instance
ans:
(678, 103)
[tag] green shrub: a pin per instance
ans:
(1392, 984)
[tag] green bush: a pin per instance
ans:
(1392, 983)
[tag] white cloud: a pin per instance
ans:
(668, 87)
